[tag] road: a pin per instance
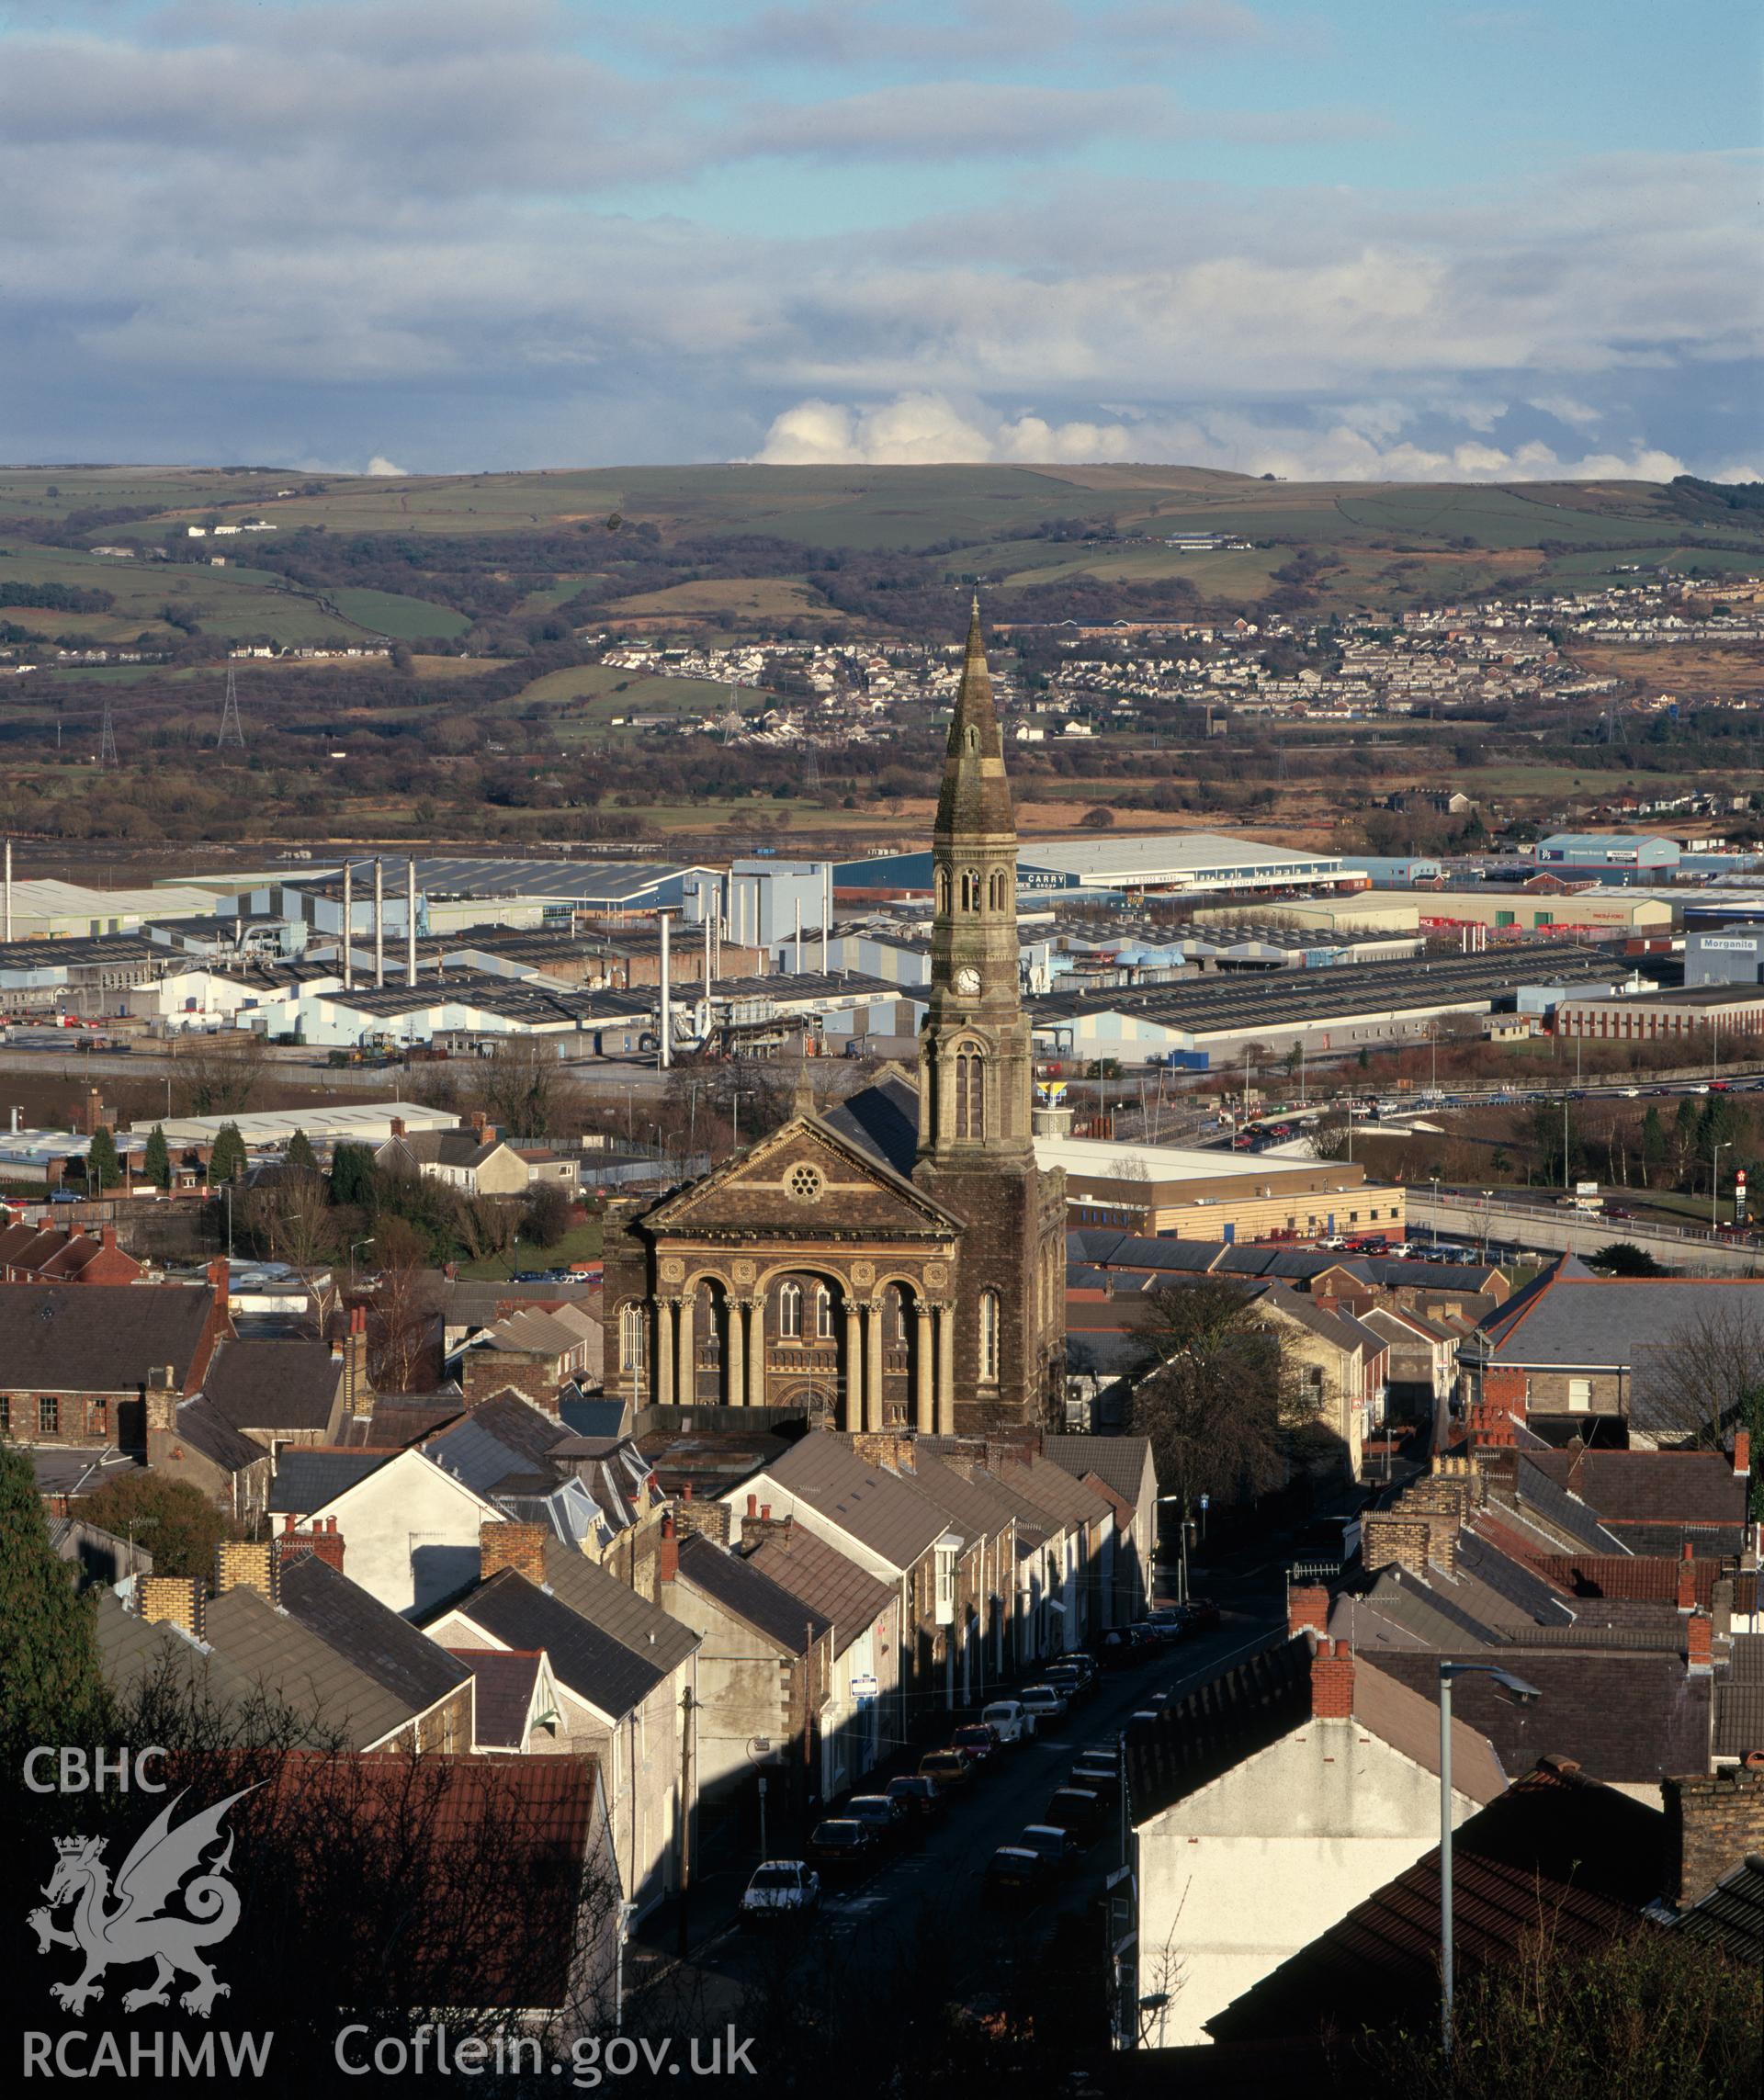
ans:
(870, 1927)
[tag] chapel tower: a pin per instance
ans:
(976, 1079)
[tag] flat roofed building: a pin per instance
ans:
(1645, 1016)
(1165, 1188)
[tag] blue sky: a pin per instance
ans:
(1377, 238)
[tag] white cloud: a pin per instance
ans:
(1582, 415)
(380, 465)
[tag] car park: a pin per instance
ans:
(842, 1846)
(1016, 1874)
(1044, 1702)
(781, 1888)
(1010, 1721)
(886, 1818)
(949, 1769)
(1077, 1810)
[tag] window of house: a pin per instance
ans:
(632, 1329)
(1580, 1396)
(5, 1416)
(790, 1312)
(98, 1419)
(823, 1313)
(945, 1585)
(49, 1416)
(989, 1337)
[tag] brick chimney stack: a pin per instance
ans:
(1308, 1607)
(758, 1530)
(247, 1564)
(220, 1281)
(1332, 1681)
(174, 1601)
(1699, 1635)
(1714, 1820)
(1687, 1578)
(667, 1565)
(517, 1546)
(1742, 1454)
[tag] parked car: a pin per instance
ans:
(1045, 1703)
(1016, 1874)
(781, 1888)
(1167, 1624)
(1009, 1720)
(1117, 1648)
(1069, 1683)
(1079, 1659)
(888, 1819)
(1201, 1614)
(842, 1845)
(977, 1743)
(923, 1797)
(1053, 1842)
(1075, 1809)
(947, 1768)
(1102, 1780)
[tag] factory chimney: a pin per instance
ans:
(8, 890)
(667, 999)
(409, 921)
(379, 922)
(348, 928)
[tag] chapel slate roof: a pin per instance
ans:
(748, 1593)
(612, 1678)
(380, 1644)
(1555, 1849)
(819, 1575)
(881, 1120)
(274, 1385)
(311, 1475)
(102, 1338)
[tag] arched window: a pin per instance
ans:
(823, 1313)
(790, 1312)
(995, 890)
(970, 889)
(942, 890)
(632, 1329)
(989, 1337)
(970, 1091)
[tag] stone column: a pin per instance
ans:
(665, 1352)
(924, 1415)
(946, 1370)
(756, 1352)
(854, 1366)
(872, 1363)
(735, 1353)
(687, 1383)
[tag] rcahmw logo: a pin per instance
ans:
(130, 1921)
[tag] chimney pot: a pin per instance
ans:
(668, 1563)
(752, 1505)
(766, 1512)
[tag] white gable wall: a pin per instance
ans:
(410, 1532)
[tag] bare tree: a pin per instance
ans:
(1218, 1398)
(220, 1078)
(1703, 1374)
(401, 1327)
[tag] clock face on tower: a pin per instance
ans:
(968, 980)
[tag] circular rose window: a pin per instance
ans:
(805, 1184)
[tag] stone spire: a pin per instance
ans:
(975, 801)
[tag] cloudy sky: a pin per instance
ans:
(1368, 237)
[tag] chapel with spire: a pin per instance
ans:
(897, 1261)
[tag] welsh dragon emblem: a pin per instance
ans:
(129, 1924)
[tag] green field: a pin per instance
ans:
(586, 696)
(234, 602)
(401, 619)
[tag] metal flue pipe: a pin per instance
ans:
(667, 999)
(410, 923)
(348, 927)
(379, 922)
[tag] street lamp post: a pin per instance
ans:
(353, 1244)
(1182, 1577)
(1721, 1145)
(1488, 1197)
(1525, 1693)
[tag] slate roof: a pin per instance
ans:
(612, 1678)
(748, 1593)
(486, 1452)
(298, 1669)
(1218, 1726)
(135, 1652)
(874, 1507)
(1124, 1463)
(504, 1682)
(616, 1609)
(274, 1385)
(1521, 1590)
(380, 1644)
(1556, 1847)
(1628, 1717)
(881, 1120)
(1534, 1486)
(202, 1426)
(1651, 1488)
(402, 1419)
(819, 1576)
(1731, 1917)
(309, 1477)
(102, 1338)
